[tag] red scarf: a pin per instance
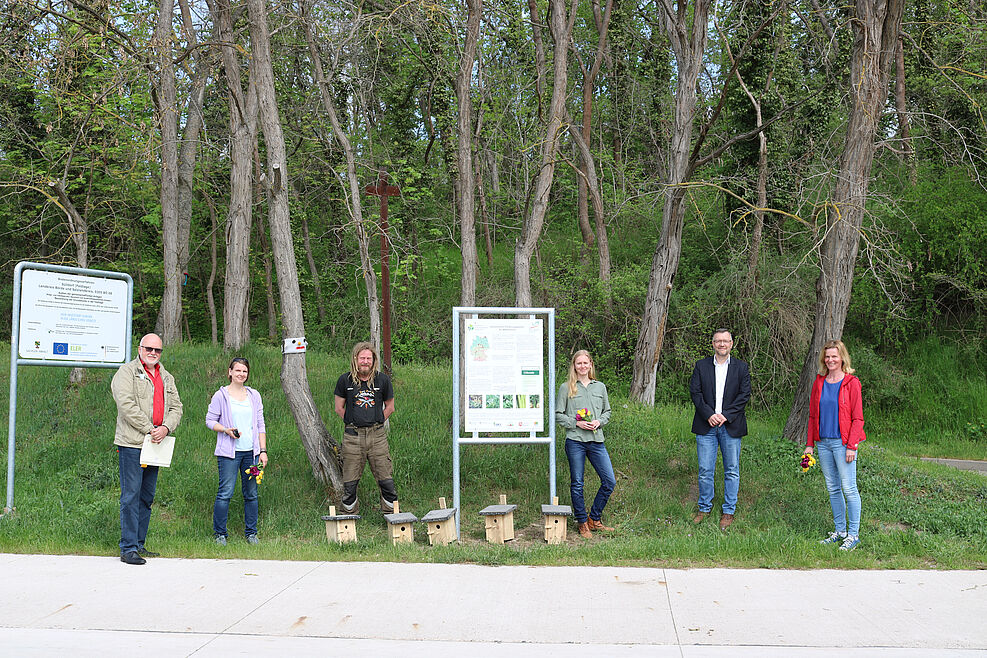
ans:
(157, 413)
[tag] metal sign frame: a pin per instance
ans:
(459, 439)
(16, 360)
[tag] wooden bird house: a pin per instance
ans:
(499, 521)
(401, 525)
(556, 519)
(441, 524)
(340, 528)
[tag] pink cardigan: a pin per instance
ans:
(851, 412)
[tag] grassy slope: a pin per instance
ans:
(915, 515)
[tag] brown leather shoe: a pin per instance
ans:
(597, 525)
(700, 517)
(725, 521)
(584, 531)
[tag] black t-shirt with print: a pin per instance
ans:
(364, 400)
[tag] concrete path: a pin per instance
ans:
(55, 605)
(962, 464)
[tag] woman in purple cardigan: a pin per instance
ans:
(236, 414)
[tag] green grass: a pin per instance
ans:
(916, 515)
(929, 400)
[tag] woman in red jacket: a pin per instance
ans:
(836, 427)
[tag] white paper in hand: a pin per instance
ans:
(157, 454)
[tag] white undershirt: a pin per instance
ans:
(721, 381)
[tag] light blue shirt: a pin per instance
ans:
(243, 418)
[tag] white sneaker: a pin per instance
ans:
(850, 543)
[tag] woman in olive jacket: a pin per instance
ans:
(582, 407)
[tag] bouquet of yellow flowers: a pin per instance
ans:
(806, 462)
(584, 414)
(256, 471)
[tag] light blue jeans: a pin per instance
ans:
(841, 483)
(706, 445)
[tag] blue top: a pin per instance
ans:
(829, 411)
(243, 415)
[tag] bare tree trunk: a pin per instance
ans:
(464, 147)
(588, 169)
(688, 38)
(540, 62)
(272, 309)
(561, 25)
(484, 217)
(313, 272)
(757, 233)
(762, 172)
(79, 232)
(210, 298)
(355, 205)
(495, 188)
(243, 135)
(907, 149)
(319, 444)
(189, 145)
(589, 86)
(169, 319)
(78, 227)
(876, 26)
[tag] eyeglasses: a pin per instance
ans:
(153, 350)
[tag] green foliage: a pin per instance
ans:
(923, 396)
(976, 431)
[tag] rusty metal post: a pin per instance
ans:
(383, 190)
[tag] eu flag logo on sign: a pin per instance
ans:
(60, 348)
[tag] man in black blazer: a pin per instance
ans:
(720, 388)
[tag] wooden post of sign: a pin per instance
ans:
(402, 525)
(499, 521)
(383, 190)
(556, 519)
(340, 528)
(441, 524)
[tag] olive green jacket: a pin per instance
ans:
(594, 399)
(133, 391)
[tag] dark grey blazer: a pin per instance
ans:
(736, 393)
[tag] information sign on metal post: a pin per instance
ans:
(68, 317)
(499, 394)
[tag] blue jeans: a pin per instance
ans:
(578, 452)
(137, 487)
(841, 483)
(227, 481)
(706, 445)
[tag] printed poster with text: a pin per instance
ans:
(73, 317)
(505, 375)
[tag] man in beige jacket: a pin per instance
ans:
(147, 404)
